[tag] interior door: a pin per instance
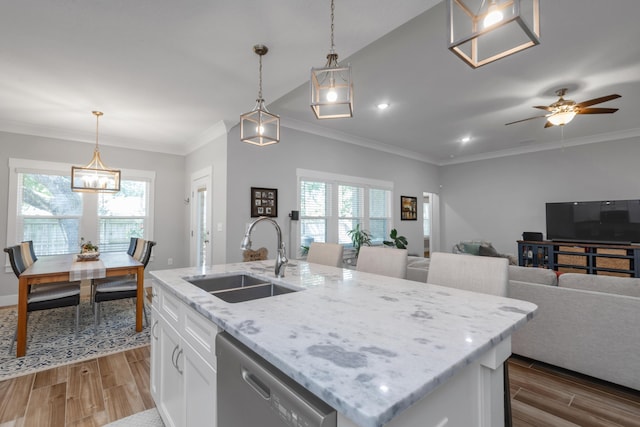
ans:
(200, 201)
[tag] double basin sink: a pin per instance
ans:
(238, 287)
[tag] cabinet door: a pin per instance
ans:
(200, 389)
(171, 404)
(155, 354)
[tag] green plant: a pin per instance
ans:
(359, 237)
(304, 250)
(399, 242)
(87, 247)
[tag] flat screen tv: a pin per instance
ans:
(607, 221)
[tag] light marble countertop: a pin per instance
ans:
(369, 346)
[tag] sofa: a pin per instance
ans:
(417, 268)
(585, 323)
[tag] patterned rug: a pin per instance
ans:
(51, 340)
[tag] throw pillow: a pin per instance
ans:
(471, 248)
(488, 251)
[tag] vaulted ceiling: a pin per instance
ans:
(169, 75)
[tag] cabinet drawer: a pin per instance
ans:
(169, 306)
(201, 333)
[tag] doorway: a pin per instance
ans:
(430, 222)
(201, 246)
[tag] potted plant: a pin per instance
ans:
(359, 237)
(399, 242)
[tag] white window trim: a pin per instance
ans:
(332, 178)
(25, 165)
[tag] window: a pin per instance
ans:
(122, 215)
(331, 205)
(43, 208)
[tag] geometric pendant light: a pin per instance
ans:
(95, 177)
(483, 31)
(259, 126)
(331, 86)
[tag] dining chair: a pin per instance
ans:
(132, 246)
(390, 262)
(325, 253)
(487, 275)
(116, 288)
(45, 296)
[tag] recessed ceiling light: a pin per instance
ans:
(466, 139)
(383, 106)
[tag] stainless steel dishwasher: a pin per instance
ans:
(252, 392)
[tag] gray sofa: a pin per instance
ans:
(586, 323)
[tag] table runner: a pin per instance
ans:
(81, 270)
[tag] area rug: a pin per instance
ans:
(148, 418)
(51, 341)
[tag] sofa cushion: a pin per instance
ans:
(607, 284)
(541, 276)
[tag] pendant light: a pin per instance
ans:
(259, 126)
(331, 86)
(483, 31)
(95, 177)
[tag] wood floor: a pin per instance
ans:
(87, 394)
(99, 391)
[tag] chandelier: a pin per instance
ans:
(331, 86)
(259, 126)
(95, 177)
(483, 31)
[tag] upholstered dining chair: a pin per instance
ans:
(390, 262)
(487, 275)
(133, 245)
(115, 288)
(45, 296)
(325, 253)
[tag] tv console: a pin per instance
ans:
(588, 258)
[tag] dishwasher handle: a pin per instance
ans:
(256, 384)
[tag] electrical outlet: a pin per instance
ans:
(170, 261)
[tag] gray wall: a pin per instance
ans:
(169, 191)
(498, 199)
(275, 167)
(214, 155)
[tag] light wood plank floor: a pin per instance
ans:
(85, 394)
(99, 391)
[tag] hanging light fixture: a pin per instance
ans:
(331, 86)
(259, 126)
(95, 177)
(483, 31)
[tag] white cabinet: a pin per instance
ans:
(183, 364)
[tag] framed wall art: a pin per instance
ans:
(264, 202)
(408, 208)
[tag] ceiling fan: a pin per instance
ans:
(563, 110)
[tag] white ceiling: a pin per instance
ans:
(168, 75)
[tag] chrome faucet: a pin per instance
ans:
(281, 259)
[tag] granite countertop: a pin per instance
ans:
(368, 345)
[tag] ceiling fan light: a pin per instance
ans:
(561, 118)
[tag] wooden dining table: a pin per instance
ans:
(65, 268)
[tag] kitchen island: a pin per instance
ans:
(381, 351)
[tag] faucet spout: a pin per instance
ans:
(281, 258)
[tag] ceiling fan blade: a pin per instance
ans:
(598, 100)
(596, 110)
(544, 107)
(524, 120)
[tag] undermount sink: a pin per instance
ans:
(220, 283)
(252, 292)
(238, 287)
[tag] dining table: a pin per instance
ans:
(69, 267)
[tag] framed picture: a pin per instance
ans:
(408, 208)
(264, 202)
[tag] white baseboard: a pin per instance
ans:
(8, 300)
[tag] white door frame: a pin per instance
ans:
(200, 179)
